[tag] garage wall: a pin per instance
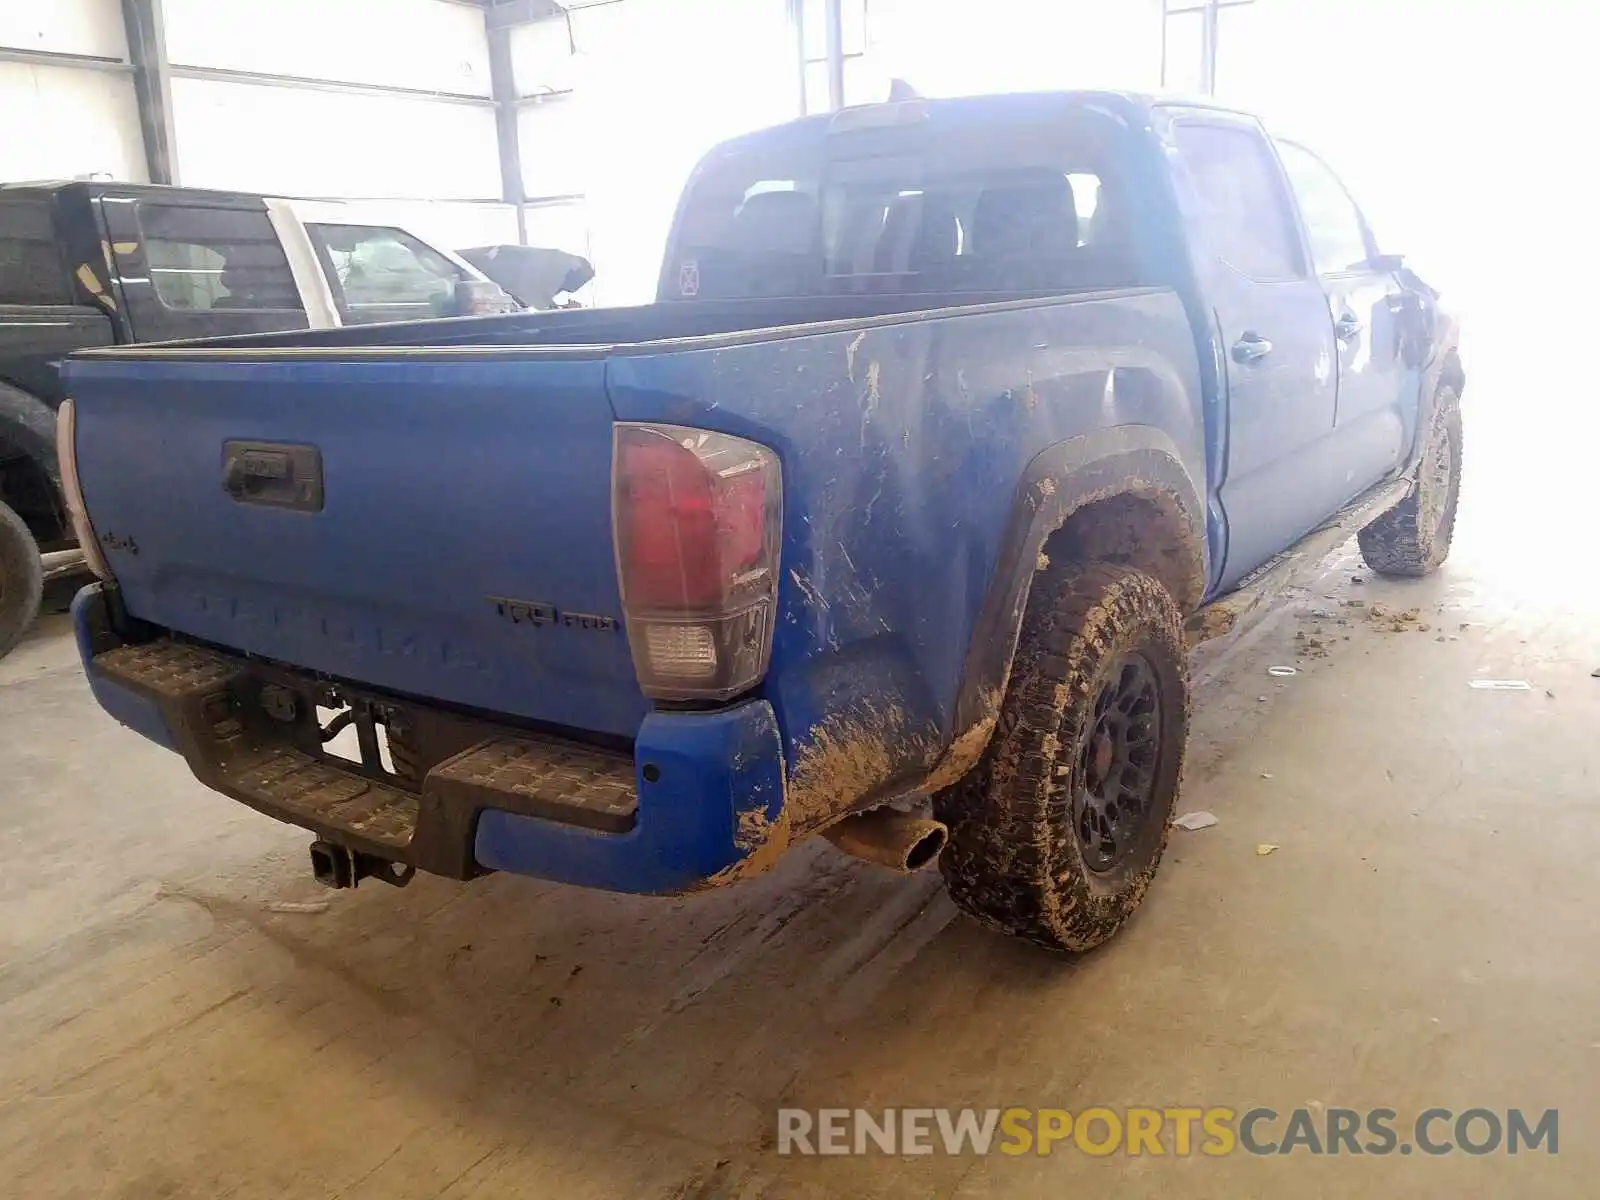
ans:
(60, 121)
(1465, 139)
(956, 47)
(623, 106)
(421, 44)
(266, 138)
(386, 100)
(64, 26)
(436, 141)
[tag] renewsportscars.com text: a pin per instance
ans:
(1179, 1132)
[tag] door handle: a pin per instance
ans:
(1347, 327)
(1251, 348)
(273, 474)
(256, 470)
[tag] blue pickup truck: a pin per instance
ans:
(955, 426)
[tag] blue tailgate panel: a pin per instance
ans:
(449, 484)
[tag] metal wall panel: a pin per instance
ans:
(653, 85)
(416, 44)
(59, 122)
(955, 47)
(64, 27)
(312, 143)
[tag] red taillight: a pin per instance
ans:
(697, 522)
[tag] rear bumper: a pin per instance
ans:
(701, 802)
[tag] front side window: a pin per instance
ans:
(383, 274)
(216, 259)
(1333, 223)
(1243, 210)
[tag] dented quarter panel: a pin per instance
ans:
(907, 449)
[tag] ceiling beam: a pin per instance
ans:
(145, 24)
(311, 84)
(507, 13)
(508, 137)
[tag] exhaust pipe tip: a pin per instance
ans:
(890, 838)
(927, 850)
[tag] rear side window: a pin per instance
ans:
(1334, 226)
(384, 274)
(210, 259)
(1244, 211)
(31, 270)
(1010, 211)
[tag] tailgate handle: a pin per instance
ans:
(272, 474)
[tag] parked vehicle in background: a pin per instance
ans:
(98, 264)
(537, 276)
(957, 422)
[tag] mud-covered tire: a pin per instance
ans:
(1018, 858)
(1413, 538)
(21, 579)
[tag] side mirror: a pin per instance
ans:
(482, 297)
(577, 277)
(1387, 262)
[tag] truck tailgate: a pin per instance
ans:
(460, 548)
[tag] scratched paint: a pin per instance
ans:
(902, 449)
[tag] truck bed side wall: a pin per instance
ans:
(908, 454)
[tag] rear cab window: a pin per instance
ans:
(1040, 206)
(213, 259)
(31, 268)
(380, 273)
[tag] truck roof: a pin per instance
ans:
(962, 110)
(97, 187)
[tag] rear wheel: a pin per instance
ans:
(1057, 833)
(21, 579)
(1413, 538)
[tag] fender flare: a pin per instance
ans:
(1443, 369)
(1129, 460)
(29, 424)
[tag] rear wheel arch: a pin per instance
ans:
(21, 579)
(1116, 496)
(28, 430)
(1144, 527)
(30, 473)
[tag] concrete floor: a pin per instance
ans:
(1426, 935)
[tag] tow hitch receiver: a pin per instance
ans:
(256, 732)
(336, 866)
